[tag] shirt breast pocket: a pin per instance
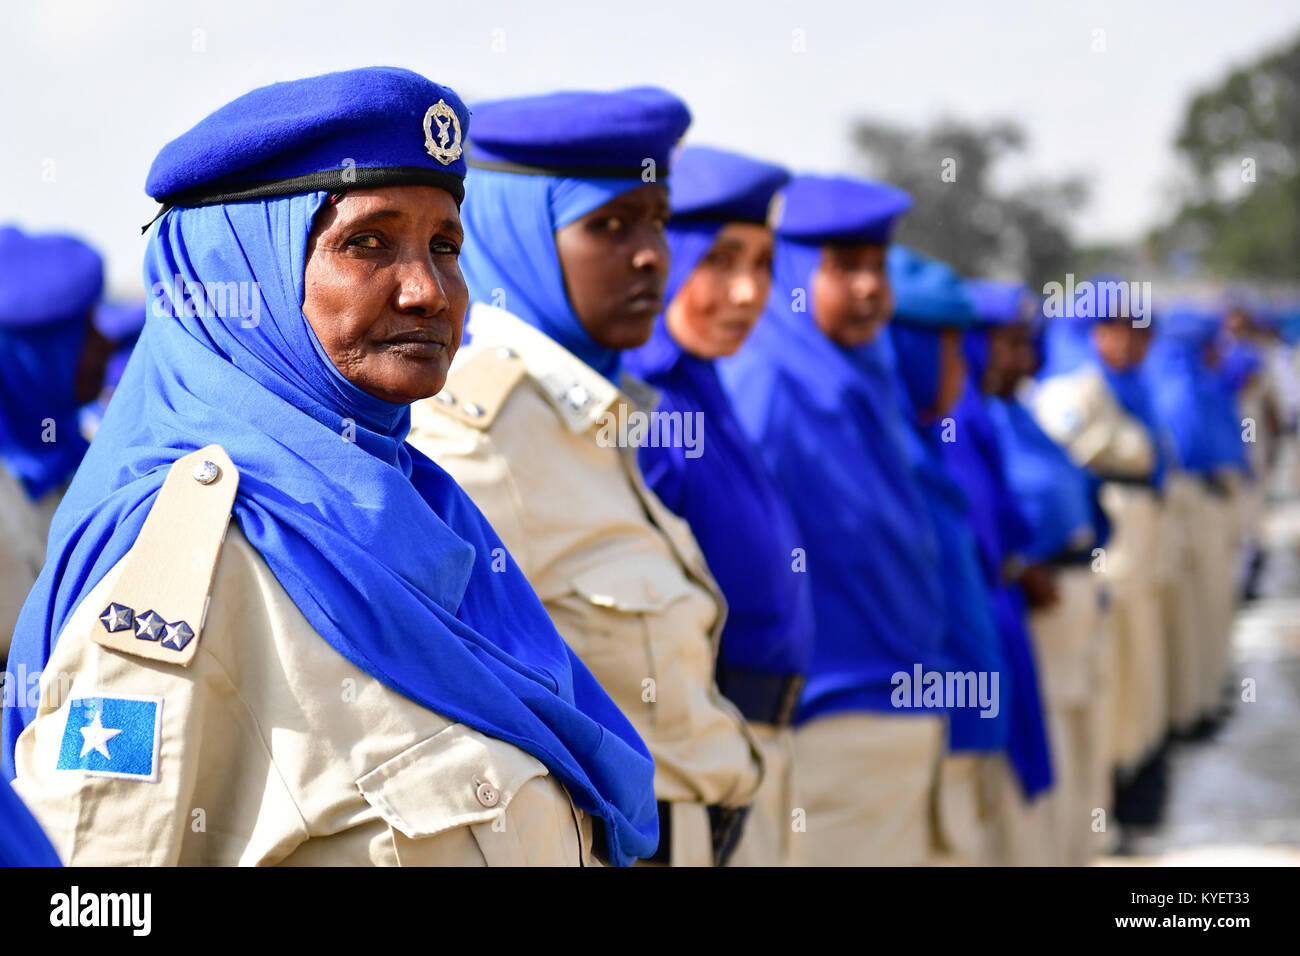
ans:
(461, 797)
(643, 632)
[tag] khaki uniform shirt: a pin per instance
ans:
(522, 426)
(1080, 413)
(271, 748)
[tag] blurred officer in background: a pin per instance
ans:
(987, 723)
(1201, 417)
(119, 324)
(53, 362)
(1251, 345)
(718, 283)
(1094, 400)
(814, 389)
(1066, 598)
(1019, 831)
(344, 678)
(566, 263)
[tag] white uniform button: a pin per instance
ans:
(506, 352)
(577, 398)
(446, 398)
(474, 411)
(206, 472)
(487, 794)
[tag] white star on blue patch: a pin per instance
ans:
(112, 737)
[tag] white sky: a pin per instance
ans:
(90, 89)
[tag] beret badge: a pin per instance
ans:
(445, 148)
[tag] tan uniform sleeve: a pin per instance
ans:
(137, 818)
(1080, 414)
(635, 604)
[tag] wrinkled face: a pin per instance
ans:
(718, 305)
(1011, 358)
(615, 264)
(384, 293)
(1120, 345)
(851, 296)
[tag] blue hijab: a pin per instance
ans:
(927, 298)
(743, 523)
(827, 422)
(1002, 531)
(978, 521)
(1055, 497)
(372, 541)
(47, 287)
(509, 256)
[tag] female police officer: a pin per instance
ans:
(53, 362)
(565, 235)
(718, 282)
(814, 389)
(345, 680)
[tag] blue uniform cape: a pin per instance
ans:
(828, 424)
(47, 287)
(740, 517)
(378, 547)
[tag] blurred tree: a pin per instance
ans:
(1240, 205)
(959, 216)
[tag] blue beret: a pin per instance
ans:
(117, 321)
(379, 126)
(927, 292)
(818, 209)
(580, 134)
(715, 185)
(46, 278)
(1000, 303)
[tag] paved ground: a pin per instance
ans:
(1235, 799)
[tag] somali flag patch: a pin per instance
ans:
(113, 737)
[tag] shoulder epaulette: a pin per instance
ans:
(478, 387)
(159, 602)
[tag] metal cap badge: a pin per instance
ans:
(447, 149)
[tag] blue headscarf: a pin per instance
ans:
(977, 518)
(509, 256)
(47, 287)
(828, 424)
(1055, 497)
(372, 541)
(743, 523)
